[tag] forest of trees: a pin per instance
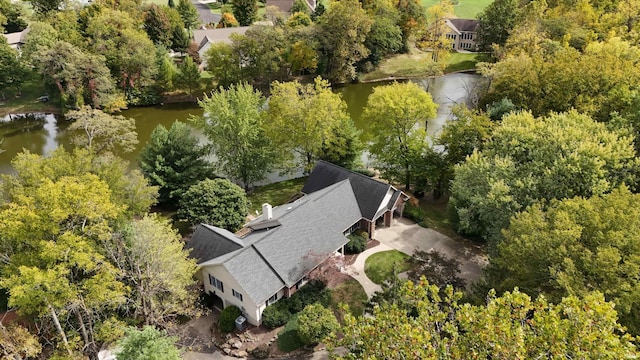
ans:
(545, 171)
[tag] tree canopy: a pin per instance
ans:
(532, 160)
(233, 121)
(396, 114)
(173, 160)
(575, 246)
(512, 326)
(148, 343)
(217, 202)
(316, 120)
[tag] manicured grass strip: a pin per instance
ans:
(274, 194)
(465, 61)
(288, 339)
(380, 266)
(414, 65)
(465, 9)
(352, 294)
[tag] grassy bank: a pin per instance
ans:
(464, 9)
(28, 101)
(418, 64)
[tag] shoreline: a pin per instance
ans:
(39, 107)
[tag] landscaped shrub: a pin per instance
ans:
(357, 243)
(315, 322)
(276, 315)
(414, 213)
(279, 313)
(227, 320)
(314, 292)
(261, 352)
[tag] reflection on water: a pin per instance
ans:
(42, 133)
(37, 133)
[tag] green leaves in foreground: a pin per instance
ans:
(434, 325)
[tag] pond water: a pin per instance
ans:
(42, 133)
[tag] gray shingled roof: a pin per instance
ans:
(466, 25)
(16, 37)
(311, 230)
(369, 192)
(217, 35)
(209, 242)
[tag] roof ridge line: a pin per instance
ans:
(237, 241)
(354, 172)
(268, 263)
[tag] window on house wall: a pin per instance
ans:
(216, 283)
(272, 299)
(236, 294)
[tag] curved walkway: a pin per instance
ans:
(356, 270)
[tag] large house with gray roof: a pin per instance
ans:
(463, 34)
(271, 257)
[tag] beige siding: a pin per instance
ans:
(247, 305)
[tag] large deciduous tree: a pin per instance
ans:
(157, 25)
(343, 29)
(217, 202)
(575, 246)
(532, 160)
(12, 71)
(157, 268)
(598, 81)
(127, 187)
(385, 36)
(102, 132)
(412, 19)
(223, 63)
(173, 160)
(434, 37)
(129, 53)
(314, 117)
(12, 17)
(56, 269)
(398, 115)
(233, 121)
(435, 325)
(496, 22)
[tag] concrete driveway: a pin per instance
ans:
(406, 236)
(206, 16)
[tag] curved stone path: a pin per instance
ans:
(356, 270)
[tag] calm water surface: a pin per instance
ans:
(42, 133)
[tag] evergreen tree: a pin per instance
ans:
(245, 11)
(189, 76)
(173, 160)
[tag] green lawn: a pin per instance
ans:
(27, 101)
(350, 293)
(275, 194)
(465, 61)
(466, 9)
(380, 266)
(288, 339)
(413, 65)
